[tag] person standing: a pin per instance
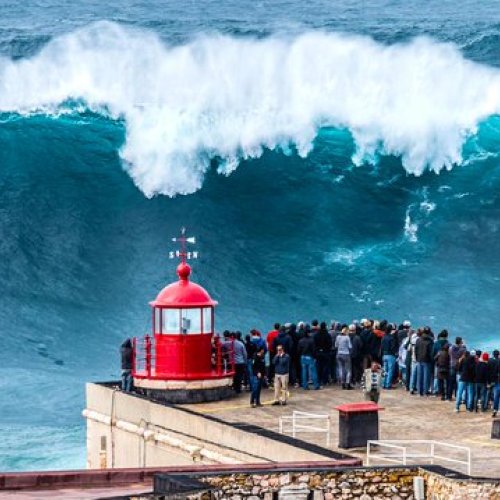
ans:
(495, 380)
(466, 370)
(283, 339)
(281, 364)
(323, 347)
(333, 332)
(378, 334)
(356, 354)
(344, 347)
(441, 341)
(258, 373)
(442, 363)
(456, 351)
(251, 350)
(389, 348)
(423, 355)
(371, 383)
(272, 351)
(126, 352)
(366, 336)
(240, 362)
(307, 354)
(482, 382)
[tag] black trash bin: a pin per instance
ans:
(358, 423)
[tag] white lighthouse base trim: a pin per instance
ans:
(195, 451)
(183, 385)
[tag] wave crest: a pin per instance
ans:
(230, 98)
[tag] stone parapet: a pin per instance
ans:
(441, 487)
(360, 483)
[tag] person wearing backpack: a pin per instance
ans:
(442, 363)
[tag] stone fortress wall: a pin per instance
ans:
(362, 483)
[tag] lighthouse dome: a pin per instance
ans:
(183, 293)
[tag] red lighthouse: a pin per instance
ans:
(183, 360)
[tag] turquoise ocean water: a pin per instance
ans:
(334, 160)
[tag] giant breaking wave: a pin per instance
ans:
(228, 99)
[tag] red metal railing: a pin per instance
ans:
(147, 363)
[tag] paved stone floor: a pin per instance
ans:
(404, 417)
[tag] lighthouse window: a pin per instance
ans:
(207, 320)
(170, 323)
(191, 321)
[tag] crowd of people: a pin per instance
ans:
(373, 355)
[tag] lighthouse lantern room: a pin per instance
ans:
(183, 360)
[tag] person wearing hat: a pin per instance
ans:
(482, 381)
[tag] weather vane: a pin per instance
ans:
(183, 254)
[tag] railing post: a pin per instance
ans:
(147, 340)
(368, 453)
(404, 455)
(432, 452)
(134, 355)
(218, 356)
(468, 462)
(232, 363)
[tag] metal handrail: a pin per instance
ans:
(297, 427)
(145, 358)
(405, 455)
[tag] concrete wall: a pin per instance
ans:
(124, 430)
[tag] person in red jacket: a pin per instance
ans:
(272, 351)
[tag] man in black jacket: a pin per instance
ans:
(389, 349)
(307, 353)
(283, 339)
(258, 373)
(356, 354)
(126, 354)
(423, 356)
(323, 347)
(367, 339)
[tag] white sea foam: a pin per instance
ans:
(229, 98)
(410, 227)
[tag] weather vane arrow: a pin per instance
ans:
(183, 254)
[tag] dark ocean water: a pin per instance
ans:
(299, 141)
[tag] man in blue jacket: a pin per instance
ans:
(281, 374)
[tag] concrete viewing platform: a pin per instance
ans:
(404, 417)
